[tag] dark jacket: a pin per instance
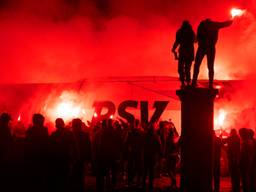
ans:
(185, 38)
(207, 32)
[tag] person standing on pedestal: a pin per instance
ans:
(185, 38)
(207, 36)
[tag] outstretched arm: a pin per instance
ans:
(223, 24)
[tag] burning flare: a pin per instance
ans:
(67, 106)
(68, 110)
(220, 119)
(235, 12)
(19, 118)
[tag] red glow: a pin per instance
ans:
(219, 120)
(67, 106)
(86, 45)
(67, 110)
(218, 86)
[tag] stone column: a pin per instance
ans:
(197, 114)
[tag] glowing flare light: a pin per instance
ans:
(235, 12)
(19, 118)
(220, 119)
(67, 110)
(68, 106)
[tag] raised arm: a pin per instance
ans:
(223, 24)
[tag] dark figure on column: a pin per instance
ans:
(233, 153)
(207, 36)
(185, 38)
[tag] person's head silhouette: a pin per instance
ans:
(185, 22)
(186, 25)
(38, 120)
(244, 134)
(77, 125)
(59, 123)
(5, 118)
(233, 132)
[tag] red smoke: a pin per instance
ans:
(68, 40)
(62, 40)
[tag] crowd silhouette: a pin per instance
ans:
(241, 155)
(112, 151)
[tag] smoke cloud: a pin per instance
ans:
(67, 40)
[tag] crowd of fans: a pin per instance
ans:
(241, 155)
(112, 151)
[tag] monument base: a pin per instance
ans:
(197, 114)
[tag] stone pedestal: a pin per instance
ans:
(197, 114)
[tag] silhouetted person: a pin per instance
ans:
(134, 144)
(233, 153)
(83, 155)
(120, 156)
(98, 157)
(185, 38)
(207, 36)
(38, 154)
(19, 176)
(246, 158)
(162, 132)
(253, 171)
(62, 145)
(152, 151)
(172, 154)
(5, 151)
(216, 162)
(107, 150)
